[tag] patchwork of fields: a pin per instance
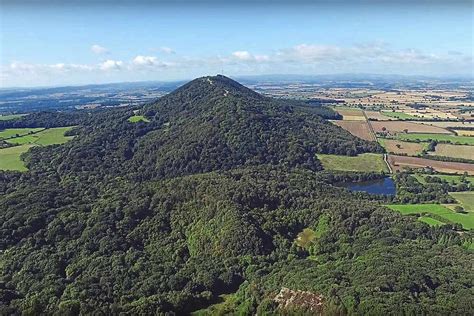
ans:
(25, 138)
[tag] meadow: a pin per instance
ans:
(16, 132)
(462, 140)
(437, 212)
(400, 115)
(10, 157)
(363, 162)
(138, 118)
(449, 178)
(10, 117)
(466, 199)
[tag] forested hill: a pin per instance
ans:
(205, 196)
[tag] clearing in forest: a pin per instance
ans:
(436, 211)
(138, 118)
(367, 162)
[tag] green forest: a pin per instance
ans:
(207, 194)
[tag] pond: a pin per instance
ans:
(380, 186)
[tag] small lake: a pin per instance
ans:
(380, 186)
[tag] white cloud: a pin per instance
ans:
(99, 50)
(246, 56)
(111, 65)
(145, 60)
(166, 50)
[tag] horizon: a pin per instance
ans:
(57, 44)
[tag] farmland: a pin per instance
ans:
(438, 212)
(394, 127)
(360, 129)
(400, 147)
(42, 137)
(400, 163)
(16, 132)
(10, 157)
(448, 178)
(399, 115)
(362, 162)
(27, 138)
(350, 114)
(462, 140)
(461, 132)
(454, 151)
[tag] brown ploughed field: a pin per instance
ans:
(402, 162)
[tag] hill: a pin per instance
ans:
(207, 198)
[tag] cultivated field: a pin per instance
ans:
(394, 127)
(363, 162)
(461, 132)
(453, 139)
(448, 124)
(400, 147)
(350, 114)
(454, 151)
(436, 211)
(376, 115)
(466, 199)
(399, 115)
(400, 163)
(357, 128)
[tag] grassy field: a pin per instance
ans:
(439, 211)
(44, 137)
(138, 118)
(13, 132)
(464, 140)
(10, 117)
(449, 178)
(363, 162)
(466, 199)
(430, 221)
(305, 238)
(10, 157)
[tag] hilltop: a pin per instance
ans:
(209, 194)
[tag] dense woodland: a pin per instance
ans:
(208, 198)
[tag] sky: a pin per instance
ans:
(46, 43)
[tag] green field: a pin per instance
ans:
(138, 118)
(10, 117)
(430, 221)
(466, 199)
(10, 157)
(400, 115)
(13, 132)
(363, 162)
(448, 178)
(439, 211)
(463, 140)
(44, 137)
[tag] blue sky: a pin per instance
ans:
(95, 42)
